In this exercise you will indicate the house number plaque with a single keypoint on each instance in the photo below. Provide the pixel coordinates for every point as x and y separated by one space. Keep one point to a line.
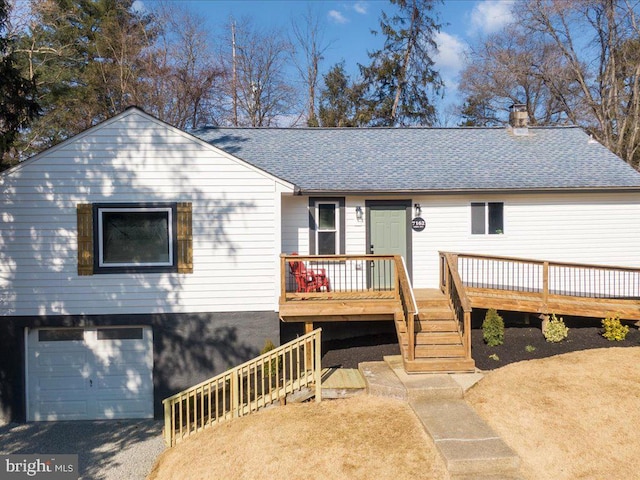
418 224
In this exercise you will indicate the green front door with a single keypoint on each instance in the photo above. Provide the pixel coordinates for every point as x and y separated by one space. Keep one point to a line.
387 236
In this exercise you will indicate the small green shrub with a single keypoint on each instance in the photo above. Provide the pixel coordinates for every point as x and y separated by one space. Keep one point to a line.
556 330
613 329
493 328
530 348
495 357
271 367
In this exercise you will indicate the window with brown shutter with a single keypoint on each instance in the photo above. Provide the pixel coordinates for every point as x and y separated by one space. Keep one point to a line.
85 239
184 238
125 238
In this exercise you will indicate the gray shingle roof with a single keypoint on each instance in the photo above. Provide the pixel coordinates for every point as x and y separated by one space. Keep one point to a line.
427 159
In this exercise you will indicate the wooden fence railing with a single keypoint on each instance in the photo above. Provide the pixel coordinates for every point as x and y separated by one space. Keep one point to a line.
548 278
452 286
246 388
409 304
348 276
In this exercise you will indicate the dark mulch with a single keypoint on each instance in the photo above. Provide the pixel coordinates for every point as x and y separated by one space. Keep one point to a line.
522 342
526 342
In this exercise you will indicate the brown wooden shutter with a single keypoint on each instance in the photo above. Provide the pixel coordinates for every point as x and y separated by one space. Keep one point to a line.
185 238
85 239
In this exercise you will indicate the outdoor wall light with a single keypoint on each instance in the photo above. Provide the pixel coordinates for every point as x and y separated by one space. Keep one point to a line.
359 213
418 209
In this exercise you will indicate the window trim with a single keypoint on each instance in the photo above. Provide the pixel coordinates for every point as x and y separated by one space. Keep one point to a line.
486 207
339 202
336 221
99 267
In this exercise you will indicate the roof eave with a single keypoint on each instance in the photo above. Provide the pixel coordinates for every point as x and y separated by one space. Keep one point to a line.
466 191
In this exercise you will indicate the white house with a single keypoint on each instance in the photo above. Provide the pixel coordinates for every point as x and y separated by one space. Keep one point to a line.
137 259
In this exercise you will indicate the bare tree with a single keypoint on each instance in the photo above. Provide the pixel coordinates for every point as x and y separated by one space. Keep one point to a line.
574 61
264 94
183 70
606 69
309 40
512 67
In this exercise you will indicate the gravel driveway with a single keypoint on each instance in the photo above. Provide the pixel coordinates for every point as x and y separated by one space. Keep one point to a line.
107 450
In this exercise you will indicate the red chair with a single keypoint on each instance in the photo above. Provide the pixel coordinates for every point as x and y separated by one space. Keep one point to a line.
308 280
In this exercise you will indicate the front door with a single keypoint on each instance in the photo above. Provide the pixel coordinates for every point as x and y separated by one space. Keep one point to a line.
387 235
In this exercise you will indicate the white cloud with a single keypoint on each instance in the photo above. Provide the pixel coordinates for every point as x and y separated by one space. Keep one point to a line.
361 8
337 17
451 56
489 16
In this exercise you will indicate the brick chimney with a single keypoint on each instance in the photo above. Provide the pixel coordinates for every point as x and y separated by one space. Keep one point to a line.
519 119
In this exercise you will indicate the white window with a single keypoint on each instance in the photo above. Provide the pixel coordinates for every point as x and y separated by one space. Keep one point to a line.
487 218
327 234
135 236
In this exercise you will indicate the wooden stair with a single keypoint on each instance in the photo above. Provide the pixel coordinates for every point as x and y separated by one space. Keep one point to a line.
439 346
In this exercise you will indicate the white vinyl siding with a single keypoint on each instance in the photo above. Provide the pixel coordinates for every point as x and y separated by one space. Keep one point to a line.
572 227
295 225
134 159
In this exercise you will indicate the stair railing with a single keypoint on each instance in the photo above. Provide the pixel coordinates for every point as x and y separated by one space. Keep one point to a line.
452 286
242 390
409 304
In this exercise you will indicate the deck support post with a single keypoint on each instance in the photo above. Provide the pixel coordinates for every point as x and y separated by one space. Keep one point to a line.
545 282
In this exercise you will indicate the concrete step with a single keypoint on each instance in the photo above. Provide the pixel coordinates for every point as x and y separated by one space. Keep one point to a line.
382 381
469 447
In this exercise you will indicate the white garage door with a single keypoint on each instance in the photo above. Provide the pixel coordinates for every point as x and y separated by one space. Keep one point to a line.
89 373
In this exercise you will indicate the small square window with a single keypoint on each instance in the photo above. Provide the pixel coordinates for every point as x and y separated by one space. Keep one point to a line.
135 238
487 218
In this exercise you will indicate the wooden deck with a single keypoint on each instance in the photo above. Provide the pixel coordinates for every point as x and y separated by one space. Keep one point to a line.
434 325
628 309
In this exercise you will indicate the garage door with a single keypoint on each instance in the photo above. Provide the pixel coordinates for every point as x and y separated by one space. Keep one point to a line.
89 373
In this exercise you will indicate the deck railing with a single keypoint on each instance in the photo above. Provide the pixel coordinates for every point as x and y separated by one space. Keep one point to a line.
354 277
245 389
452 286
409 304
350 276
548 278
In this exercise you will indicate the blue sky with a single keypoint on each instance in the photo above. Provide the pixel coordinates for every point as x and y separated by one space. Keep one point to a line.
348 23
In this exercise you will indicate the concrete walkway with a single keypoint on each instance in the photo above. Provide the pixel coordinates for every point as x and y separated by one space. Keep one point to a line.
469 447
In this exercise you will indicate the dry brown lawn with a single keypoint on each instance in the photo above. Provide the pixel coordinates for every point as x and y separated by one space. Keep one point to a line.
358 438
573 416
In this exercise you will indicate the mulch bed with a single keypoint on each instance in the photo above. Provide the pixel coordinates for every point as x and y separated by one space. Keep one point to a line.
521 342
